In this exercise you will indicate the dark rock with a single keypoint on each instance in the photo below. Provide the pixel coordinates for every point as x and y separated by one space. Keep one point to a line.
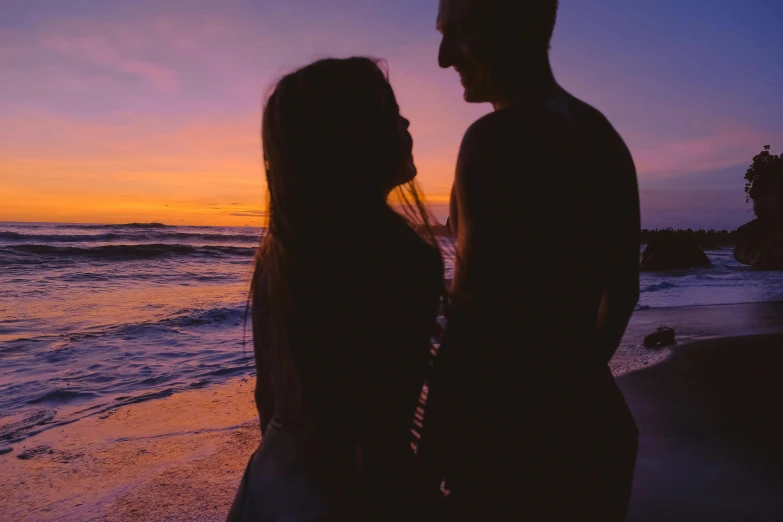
670 251
663 337
760 244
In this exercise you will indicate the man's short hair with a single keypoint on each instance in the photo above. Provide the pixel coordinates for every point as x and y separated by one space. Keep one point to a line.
543 13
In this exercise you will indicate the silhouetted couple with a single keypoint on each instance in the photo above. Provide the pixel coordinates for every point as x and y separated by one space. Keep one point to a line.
523 420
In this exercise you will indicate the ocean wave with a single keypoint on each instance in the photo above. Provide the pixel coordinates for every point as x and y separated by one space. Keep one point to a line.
227 371
60 396
10 236
657 287
182 319
195 317
120 252
124 225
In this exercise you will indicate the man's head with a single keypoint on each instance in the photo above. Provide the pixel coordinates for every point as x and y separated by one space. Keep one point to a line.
491 43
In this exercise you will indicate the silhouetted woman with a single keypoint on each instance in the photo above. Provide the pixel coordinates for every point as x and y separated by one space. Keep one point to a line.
344 300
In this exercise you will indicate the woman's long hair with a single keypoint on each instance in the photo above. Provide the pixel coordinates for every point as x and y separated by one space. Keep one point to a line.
332 146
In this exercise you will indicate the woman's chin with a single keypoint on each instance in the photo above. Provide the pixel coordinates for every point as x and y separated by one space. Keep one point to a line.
410 174
406 175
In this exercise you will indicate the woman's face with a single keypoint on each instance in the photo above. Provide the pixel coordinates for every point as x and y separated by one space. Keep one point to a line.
407 168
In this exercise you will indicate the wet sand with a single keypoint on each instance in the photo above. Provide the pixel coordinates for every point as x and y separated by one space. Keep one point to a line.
711 433
693 323
179 458
708 409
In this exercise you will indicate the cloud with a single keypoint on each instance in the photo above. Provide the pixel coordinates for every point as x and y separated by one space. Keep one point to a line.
719 150
163 79
251 213
101 51
725 209
81 72
12 45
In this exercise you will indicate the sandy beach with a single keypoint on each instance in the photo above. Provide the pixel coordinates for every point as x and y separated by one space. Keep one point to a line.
706 408
710 432
178 458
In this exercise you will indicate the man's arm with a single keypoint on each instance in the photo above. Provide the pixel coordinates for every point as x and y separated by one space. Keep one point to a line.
477 177
449 382
621 292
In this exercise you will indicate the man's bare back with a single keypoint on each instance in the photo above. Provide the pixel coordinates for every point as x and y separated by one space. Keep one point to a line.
545 209
545 199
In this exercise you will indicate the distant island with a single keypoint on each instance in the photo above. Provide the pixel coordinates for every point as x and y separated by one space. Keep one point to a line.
760 242
141 225
707 239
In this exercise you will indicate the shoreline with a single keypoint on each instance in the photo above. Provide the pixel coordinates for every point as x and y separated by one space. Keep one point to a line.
692 324
181 457
176 458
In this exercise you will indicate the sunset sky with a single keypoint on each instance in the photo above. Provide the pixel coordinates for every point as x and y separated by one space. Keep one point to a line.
149 110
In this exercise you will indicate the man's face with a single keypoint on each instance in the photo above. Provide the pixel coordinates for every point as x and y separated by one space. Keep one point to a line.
468 46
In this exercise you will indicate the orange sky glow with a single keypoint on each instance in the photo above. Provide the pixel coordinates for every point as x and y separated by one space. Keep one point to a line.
151 111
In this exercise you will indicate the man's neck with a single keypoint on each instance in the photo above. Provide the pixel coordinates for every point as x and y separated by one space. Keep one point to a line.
536 82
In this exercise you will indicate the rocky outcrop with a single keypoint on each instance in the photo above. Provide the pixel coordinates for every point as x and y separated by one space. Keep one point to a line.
760 244
669 251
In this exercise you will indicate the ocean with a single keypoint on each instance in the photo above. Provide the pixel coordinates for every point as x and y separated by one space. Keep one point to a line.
93 317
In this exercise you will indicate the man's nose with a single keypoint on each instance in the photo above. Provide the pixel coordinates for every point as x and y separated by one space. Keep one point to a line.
445 53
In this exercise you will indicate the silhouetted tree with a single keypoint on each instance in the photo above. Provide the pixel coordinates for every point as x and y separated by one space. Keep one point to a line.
707 239
764 184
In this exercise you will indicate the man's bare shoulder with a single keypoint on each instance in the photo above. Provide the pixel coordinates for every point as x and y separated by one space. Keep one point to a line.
502 135
535 128
517 120
590 118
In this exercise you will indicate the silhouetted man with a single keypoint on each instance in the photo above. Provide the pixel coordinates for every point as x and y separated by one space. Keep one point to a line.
524 418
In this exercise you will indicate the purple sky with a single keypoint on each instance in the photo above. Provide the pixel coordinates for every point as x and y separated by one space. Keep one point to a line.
149 110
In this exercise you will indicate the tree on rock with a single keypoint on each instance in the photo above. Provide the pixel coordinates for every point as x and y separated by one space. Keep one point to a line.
760 242
764 184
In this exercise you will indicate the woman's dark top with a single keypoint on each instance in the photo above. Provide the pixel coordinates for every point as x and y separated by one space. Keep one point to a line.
364 313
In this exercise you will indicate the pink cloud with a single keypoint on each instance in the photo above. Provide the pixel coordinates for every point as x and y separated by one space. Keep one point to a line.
723 149
163 79
707 209
98 50
12 45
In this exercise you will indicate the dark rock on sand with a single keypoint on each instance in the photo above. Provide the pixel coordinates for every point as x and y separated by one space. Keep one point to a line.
760 244
663 337
669 251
